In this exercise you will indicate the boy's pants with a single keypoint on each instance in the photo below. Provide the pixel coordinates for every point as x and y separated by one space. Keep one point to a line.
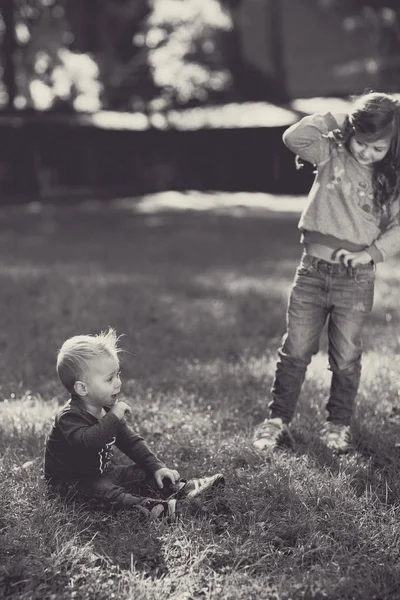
118 487
321 291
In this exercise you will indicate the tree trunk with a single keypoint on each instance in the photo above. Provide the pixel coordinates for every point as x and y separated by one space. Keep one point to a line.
275 22
8 50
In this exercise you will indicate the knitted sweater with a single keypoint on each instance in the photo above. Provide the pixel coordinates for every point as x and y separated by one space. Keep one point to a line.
340 212
79 445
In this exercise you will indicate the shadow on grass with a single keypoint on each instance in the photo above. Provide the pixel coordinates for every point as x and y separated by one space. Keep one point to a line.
372 465
130 545
116 539
122 540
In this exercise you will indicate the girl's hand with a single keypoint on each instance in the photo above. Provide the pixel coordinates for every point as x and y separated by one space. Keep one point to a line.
166 473
352 259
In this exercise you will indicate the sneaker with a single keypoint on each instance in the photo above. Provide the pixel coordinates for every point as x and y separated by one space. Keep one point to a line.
336 437
271 433
161 509
197 487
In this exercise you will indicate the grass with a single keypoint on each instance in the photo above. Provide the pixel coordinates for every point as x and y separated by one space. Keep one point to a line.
201 299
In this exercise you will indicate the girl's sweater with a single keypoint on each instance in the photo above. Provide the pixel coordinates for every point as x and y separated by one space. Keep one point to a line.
341 212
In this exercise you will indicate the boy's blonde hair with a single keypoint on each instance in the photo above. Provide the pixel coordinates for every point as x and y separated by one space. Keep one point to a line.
76 352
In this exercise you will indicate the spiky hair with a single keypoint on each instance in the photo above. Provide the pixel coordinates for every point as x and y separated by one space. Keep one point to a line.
76 352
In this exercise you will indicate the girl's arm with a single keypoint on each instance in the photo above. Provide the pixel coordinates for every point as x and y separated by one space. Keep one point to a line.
388 243
311 137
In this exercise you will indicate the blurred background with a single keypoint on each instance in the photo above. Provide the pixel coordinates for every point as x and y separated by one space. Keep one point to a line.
129 97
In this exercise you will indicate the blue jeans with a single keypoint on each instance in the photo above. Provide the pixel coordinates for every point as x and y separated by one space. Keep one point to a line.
321 291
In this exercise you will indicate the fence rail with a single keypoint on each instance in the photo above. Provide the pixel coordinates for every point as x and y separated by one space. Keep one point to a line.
47 156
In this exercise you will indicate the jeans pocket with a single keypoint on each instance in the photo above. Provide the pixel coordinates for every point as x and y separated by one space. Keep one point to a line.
364 278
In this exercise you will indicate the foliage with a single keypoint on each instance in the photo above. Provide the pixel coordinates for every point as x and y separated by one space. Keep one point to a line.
142 53
172 55
185 56
378 20
49 74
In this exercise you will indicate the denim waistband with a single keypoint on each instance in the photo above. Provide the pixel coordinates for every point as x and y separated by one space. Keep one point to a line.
335 268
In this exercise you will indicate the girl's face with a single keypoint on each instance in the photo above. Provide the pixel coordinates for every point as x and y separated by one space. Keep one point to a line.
367 153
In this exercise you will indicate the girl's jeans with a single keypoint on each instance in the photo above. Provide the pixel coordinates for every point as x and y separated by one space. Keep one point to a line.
321 291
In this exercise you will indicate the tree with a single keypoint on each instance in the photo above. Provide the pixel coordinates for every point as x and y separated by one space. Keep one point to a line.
75 55
124 68
379 21
249 82
9 46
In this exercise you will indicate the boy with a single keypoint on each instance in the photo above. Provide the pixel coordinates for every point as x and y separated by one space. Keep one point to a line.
78 454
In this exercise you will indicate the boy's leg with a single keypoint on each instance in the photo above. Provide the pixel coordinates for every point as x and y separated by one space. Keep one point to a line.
136 481
108 491
143 485
306 315
353 301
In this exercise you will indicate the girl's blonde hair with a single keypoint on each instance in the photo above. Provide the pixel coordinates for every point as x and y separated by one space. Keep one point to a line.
76 352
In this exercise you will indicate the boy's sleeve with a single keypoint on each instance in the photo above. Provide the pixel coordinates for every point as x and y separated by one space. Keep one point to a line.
388 243
134 446
309 137
78 432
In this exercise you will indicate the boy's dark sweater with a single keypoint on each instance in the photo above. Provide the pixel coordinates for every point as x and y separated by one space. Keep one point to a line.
79 445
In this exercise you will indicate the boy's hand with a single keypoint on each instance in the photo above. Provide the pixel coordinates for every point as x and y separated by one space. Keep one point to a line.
352 259
121 410
166 473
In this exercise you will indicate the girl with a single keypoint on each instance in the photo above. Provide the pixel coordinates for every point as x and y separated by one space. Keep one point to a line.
357 159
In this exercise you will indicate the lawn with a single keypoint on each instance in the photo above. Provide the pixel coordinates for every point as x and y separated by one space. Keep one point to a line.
200 296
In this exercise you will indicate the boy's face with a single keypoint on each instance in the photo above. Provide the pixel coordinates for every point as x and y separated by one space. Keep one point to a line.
102 380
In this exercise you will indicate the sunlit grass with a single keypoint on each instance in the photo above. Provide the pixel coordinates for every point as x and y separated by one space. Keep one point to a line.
201 300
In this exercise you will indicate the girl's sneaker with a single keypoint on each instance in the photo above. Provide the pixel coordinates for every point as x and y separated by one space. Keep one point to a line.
271 433
198 487
336 437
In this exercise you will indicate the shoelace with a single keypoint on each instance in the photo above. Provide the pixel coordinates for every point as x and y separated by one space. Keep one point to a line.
266 429
337 433
344 435
337 429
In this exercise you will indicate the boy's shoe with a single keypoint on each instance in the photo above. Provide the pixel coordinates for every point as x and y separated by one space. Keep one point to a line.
271 433
336 437
161 509
197 487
